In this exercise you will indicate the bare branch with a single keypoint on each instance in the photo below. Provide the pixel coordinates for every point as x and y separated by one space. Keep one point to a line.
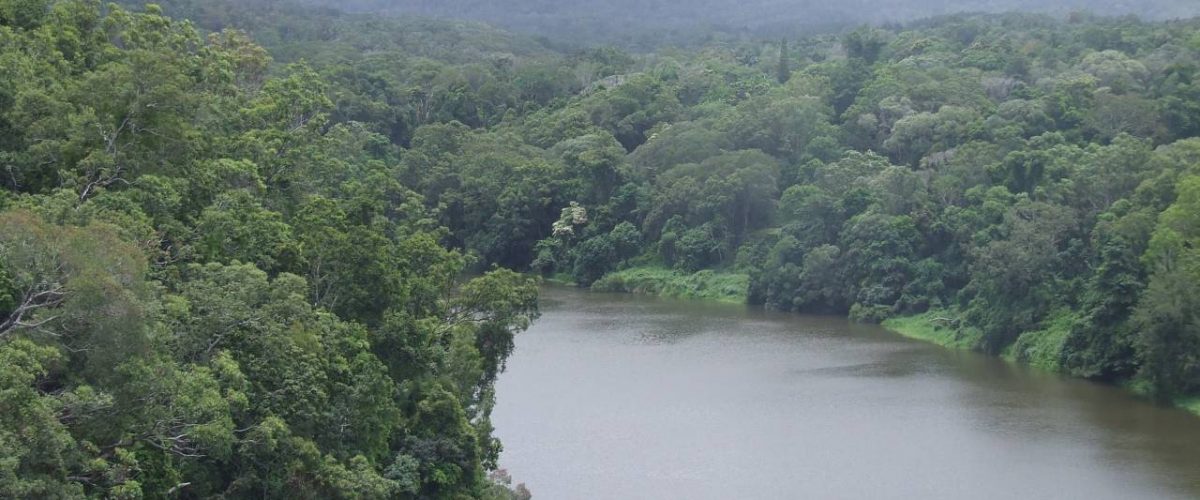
33 299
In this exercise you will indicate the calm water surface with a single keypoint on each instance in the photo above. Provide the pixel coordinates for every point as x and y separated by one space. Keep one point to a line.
620 396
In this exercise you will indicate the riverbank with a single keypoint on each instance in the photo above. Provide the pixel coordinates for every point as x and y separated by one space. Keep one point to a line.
1038 348
665 282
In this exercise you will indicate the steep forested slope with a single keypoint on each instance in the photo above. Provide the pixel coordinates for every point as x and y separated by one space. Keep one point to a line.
209 287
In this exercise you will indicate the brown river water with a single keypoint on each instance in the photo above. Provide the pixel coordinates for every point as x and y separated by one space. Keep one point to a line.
613 396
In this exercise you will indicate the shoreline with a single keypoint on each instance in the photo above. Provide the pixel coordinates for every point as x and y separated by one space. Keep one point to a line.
1037 349
664 282
924 327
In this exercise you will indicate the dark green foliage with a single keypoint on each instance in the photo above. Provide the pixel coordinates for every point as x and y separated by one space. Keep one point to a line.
593 258
1101 343
865 44
9 294
1170 335
784 72
1015 275
1166 314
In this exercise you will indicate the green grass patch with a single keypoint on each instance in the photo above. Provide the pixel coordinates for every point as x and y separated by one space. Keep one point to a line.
1141 387
664 282
936 326
1137 385
1042 348
1038 348
564 279
1190 403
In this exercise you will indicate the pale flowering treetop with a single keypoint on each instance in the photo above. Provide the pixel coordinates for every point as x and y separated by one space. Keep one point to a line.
572 216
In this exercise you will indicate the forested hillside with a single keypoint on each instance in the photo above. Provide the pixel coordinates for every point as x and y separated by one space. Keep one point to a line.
1027 185
647 23
211 286
263 253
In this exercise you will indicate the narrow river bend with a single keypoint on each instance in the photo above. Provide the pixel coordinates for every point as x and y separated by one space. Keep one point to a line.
615 396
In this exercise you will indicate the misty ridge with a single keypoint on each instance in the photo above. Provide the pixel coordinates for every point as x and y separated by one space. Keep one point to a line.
624 21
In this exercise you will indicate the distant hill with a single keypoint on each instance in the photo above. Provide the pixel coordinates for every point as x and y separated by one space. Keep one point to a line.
304 29
618 20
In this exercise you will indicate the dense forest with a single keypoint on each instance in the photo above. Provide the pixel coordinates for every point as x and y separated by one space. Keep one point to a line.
264 250
212 285
647 23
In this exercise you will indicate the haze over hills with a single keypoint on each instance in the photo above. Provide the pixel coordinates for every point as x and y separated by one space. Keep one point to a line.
617 20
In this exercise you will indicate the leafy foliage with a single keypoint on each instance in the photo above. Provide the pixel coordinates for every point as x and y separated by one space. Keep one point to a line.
210 287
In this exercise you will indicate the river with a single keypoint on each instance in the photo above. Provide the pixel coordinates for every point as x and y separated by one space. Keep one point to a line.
613 396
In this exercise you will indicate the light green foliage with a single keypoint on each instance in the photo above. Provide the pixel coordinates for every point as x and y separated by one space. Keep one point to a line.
36 446
81 285
935 326
237 227
496 305
1115 70
677 144
916 135
706 285
1043 348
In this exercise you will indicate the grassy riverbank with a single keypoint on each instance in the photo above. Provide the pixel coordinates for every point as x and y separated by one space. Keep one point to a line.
933 327
664 282
1042 348
562 279
1038 348
1191 404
